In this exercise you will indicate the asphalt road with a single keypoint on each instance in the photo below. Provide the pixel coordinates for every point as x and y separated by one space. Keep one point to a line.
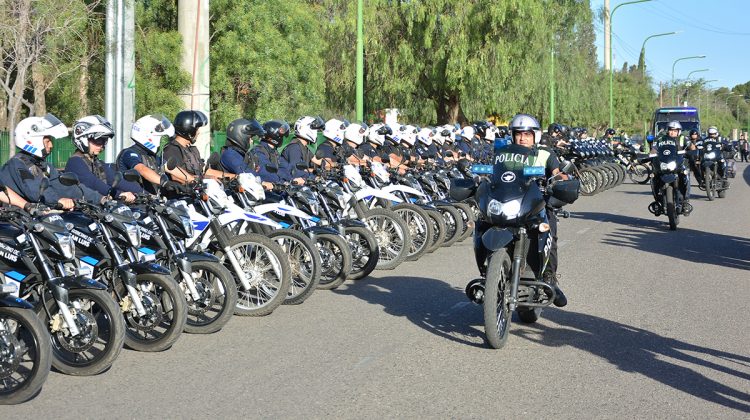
656 327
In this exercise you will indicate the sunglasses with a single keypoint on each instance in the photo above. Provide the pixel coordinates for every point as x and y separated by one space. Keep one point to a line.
99 141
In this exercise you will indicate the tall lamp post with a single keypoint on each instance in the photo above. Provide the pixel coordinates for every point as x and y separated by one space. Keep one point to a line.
611 67
360 65
675 63
688 78
700 94
643 48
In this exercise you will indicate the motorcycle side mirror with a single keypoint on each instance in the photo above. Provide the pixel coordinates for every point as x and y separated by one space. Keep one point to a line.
117 180
43 185
407 155
272 168
213 161
164 179
302 166
131 175
385 157
320 154
462 188
68 179
462 154
463 165
171 164
568 167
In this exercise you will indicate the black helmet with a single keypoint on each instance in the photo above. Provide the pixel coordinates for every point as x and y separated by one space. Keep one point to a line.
187 123
241 131
694 131
275 131
480 128
554 128
610 132
385 130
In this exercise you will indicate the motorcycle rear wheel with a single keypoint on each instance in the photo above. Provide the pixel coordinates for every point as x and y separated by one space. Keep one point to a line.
497 314
710 184
24 343
639 174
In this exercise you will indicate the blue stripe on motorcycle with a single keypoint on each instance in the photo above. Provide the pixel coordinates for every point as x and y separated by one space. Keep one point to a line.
315 219
147 251
15 275
90 260
284 224
200 226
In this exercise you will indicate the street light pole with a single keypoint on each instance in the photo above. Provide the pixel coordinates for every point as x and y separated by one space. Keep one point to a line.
643 49
675 63
688 83
700 94
611 67
360 65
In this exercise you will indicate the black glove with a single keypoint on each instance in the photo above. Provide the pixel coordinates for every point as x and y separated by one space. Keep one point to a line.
176 187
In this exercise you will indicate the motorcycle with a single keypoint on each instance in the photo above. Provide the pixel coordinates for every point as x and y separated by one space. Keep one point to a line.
513 203
712 183
668 164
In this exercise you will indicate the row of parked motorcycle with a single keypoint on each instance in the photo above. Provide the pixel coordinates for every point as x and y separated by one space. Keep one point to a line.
600 167
77 286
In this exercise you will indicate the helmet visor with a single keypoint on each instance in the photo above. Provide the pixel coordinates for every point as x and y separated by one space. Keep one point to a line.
57 128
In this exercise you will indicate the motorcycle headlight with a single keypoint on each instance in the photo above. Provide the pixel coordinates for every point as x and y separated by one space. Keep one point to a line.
187 226
711 155
510 209
134 234
65 244
669 166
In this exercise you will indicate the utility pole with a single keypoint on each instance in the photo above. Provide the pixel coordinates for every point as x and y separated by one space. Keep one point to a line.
360 65
119 73
661 95
607 45
552 86
192 24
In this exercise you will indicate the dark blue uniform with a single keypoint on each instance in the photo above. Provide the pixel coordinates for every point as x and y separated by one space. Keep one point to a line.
97 175
294 153
266 155
235 161
130 157
24 173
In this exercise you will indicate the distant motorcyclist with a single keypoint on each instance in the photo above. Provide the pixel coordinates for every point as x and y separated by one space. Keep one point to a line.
609 138
554 137
526 132
298 151
235 156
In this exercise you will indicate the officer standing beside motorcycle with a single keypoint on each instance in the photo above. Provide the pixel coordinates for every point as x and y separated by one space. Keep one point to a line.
526 132
672 137
25 172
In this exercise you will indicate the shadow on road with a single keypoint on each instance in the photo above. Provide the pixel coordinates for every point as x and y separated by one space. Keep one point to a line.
671 362
652 235
428 303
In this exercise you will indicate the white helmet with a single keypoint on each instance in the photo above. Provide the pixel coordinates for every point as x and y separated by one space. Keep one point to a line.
30 133
409 134
376 133
452 133
92 127
713 130
307 128
491 132
334 130
468 132
149 130
396 133
425 136
525 122
355 133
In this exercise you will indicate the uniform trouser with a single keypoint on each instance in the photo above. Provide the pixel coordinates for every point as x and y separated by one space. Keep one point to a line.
481 252
683 185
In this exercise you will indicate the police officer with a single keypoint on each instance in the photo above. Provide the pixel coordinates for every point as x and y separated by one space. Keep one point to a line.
90 136
25 172
426 147
526 132
298 150
327 154
375 137
182 152
146 134
267 154
235 158
354 136
609 138
674 138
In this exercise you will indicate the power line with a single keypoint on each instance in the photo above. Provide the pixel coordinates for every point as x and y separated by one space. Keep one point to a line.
688 20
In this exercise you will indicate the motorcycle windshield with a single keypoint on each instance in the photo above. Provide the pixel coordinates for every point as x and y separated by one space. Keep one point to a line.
512 169
666 153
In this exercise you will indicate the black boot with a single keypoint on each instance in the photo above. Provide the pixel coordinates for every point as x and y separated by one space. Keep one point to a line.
560 299
686 208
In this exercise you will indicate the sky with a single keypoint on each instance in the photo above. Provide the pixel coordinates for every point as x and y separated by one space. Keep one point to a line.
718 29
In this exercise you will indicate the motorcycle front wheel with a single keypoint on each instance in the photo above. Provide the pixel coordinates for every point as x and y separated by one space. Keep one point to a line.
497 314
25 355
218 297
304 260
365 252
